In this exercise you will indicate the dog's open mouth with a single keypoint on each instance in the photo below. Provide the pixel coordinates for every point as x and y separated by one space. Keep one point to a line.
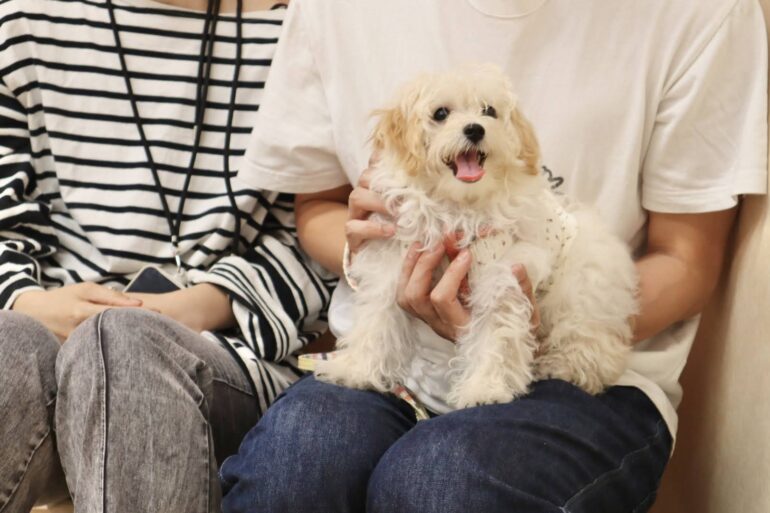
468 166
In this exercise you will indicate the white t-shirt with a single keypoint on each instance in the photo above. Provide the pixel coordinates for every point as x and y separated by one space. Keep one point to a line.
639 106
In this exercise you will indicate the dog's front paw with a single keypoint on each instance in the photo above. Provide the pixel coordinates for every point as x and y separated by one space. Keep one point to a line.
560 366
480 392
345 370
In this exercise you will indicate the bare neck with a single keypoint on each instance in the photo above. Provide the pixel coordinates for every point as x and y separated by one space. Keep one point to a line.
227 5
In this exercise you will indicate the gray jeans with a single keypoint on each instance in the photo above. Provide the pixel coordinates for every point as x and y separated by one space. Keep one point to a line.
136 408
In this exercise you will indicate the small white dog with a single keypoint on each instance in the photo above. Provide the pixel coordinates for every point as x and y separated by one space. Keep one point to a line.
457 157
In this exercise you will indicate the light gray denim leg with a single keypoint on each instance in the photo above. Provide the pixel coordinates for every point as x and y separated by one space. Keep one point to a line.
142 403
28 462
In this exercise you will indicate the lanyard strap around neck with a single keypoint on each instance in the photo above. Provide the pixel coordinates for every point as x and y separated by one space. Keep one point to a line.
203 80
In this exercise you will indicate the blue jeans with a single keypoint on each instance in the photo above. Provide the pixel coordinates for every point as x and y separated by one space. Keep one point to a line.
324 448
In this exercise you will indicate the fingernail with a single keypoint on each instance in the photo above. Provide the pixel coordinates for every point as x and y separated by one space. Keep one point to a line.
389 230
517 268
463 255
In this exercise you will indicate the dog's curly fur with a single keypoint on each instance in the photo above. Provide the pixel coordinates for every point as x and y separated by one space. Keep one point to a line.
584 277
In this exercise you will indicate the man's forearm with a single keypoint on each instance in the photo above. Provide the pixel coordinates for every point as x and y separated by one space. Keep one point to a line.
321 228
667 294
681 269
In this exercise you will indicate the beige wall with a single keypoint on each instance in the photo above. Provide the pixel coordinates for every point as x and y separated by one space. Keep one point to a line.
722 460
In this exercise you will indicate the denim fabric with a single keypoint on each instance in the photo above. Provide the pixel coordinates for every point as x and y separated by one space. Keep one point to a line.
143 408
27 400
325 448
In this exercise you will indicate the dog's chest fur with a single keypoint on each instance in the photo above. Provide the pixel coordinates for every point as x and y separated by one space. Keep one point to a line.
536 232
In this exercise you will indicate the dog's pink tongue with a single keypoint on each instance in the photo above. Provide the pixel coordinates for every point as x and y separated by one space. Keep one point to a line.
468 168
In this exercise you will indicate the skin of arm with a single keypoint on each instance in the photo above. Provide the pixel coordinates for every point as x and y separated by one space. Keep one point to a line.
321 228
202 307
681 267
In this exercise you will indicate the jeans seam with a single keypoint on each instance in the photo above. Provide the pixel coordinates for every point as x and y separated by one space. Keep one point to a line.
207 473
26 467
103 441
658 432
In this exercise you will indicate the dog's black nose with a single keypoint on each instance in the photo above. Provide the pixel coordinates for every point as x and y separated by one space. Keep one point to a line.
474 132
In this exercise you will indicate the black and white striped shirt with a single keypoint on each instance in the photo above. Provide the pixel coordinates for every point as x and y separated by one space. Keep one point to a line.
77 197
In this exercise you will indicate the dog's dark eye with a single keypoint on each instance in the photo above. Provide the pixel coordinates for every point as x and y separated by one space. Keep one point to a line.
441 114
490 111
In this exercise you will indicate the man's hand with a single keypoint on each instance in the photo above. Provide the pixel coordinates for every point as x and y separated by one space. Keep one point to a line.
328 220
62 310
442 306
362 203
202 307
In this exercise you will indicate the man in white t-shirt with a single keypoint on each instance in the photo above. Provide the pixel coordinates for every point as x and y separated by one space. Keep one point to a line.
653 112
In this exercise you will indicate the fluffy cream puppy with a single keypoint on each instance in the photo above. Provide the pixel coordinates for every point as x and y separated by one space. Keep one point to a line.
457 157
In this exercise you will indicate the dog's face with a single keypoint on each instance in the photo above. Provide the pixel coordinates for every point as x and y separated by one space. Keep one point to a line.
459 135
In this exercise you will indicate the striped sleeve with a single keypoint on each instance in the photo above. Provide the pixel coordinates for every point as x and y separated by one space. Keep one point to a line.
280 296
25 231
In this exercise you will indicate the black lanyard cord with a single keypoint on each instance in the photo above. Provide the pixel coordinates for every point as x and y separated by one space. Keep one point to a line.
204 78
202 86
230 115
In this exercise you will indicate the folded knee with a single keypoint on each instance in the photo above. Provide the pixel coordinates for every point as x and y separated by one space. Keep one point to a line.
441 467
122 330
124 344
320 442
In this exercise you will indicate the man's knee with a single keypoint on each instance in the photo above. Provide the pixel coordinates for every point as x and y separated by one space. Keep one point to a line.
307 423
318 440
445 465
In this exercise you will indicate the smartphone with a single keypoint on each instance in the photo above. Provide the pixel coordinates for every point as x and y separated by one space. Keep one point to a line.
152 280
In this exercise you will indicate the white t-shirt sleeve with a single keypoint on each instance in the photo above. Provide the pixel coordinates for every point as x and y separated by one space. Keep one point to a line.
291 148
709 143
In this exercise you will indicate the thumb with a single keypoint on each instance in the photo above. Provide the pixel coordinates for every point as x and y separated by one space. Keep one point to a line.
106 296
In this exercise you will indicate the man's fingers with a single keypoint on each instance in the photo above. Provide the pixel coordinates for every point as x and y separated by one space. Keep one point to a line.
374 158
363 202
520 272
418 287
366 177
406 272
445 295
102 295
357 232
365 180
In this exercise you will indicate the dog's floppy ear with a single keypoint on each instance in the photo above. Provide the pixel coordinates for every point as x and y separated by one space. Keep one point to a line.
530 149
398 131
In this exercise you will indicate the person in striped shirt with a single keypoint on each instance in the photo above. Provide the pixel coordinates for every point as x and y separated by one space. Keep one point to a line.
121 123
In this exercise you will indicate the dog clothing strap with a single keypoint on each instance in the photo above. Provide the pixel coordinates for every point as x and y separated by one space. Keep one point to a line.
561 230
